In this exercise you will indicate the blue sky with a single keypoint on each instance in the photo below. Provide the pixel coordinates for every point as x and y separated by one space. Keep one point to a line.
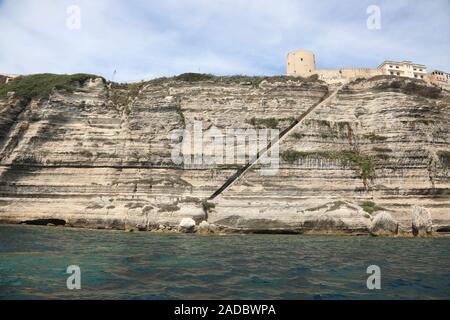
145 39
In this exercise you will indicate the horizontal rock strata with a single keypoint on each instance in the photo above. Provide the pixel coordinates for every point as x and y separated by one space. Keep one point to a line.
100 155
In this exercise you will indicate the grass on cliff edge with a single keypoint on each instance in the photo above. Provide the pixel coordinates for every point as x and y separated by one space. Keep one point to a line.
251 80
41 85
365 164
411 87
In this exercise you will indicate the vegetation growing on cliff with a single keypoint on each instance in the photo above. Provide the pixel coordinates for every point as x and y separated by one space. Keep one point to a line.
207 206
370 207
374 137
122 94
270 123
380 149
264 123
411 87
253 81
365 164
182 118
168 207
190 77
41 85
298 135
444 157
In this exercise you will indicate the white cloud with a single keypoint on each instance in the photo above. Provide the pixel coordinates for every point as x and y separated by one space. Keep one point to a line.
142 39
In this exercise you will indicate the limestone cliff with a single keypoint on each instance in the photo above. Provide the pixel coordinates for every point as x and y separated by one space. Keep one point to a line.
84 152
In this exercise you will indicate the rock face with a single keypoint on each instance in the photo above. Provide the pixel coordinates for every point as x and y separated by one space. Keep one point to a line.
100 155
187 225
421 221
206 227
384 224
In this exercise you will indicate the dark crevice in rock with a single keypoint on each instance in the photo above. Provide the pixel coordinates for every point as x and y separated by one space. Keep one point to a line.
44 222
443 229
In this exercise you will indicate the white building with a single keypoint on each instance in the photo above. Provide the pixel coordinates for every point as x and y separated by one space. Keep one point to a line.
404 69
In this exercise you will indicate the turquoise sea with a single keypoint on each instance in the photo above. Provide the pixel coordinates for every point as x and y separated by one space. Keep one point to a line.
143 265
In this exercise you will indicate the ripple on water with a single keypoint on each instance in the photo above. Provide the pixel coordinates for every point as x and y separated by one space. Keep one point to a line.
119 265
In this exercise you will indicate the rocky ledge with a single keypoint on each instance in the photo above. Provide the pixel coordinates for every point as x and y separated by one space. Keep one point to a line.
369 158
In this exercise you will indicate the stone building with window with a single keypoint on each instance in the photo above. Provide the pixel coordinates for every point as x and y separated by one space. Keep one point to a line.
440 79
303 63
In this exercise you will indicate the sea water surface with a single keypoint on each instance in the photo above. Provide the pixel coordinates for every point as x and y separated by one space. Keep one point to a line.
143 265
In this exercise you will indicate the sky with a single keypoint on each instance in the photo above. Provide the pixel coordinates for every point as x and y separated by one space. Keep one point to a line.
131 40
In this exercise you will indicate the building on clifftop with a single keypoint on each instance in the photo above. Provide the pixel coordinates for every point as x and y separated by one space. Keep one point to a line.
440 79
9 76
302 63
404 69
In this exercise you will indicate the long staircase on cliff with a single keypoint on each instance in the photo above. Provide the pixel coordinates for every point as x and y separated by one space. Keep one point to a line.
242 171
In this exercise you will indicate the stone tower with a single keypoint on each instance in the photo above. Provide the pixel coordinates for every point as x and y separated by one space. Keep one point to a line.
301 63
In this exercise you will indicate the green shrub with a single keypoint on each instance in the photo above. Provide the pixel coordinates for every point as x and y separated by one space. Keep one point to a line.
41 85
86 153
298 135
207 206
168 208
253 81
122 94
395 84
192 77
411 87
292 156
182 118
422 90
365 164
382 156
370 207
382 77
264 123
444 157
377 149
357 80
134 88
374 137
312 78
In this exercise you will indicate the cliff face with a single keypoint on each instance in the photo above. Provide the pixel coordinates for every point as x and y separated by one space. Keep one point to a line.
97 154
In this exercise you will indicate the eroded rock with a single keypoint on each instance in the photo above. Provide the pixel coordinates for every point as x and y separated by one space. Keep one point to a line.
108 144
384 224
187 225
204 227
422 223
